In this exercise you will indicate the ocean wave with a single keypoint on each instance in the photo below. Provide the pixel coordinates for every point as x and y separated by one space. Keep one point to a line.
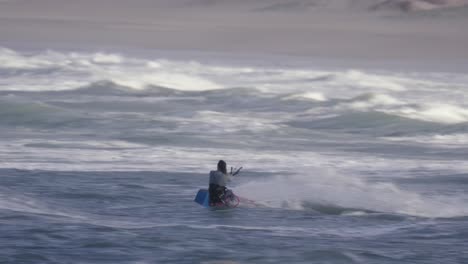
53 70
372 80
418 5
455 140
93 67
272 108
431 112
313 96
459 179
27 113
92 145
374 122
436 112
110 88
381 114
341 5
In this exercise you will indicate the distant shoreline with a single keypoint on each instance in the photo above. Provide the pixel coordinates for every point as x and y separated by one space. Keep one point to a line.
219 30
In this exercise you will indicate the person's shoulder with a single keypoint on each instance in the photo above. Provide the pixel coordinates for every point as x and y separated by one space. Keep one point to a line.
215 172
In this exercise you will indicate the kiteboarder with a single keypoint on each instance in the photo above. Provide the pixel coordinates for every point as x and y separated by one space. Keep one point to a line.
218 181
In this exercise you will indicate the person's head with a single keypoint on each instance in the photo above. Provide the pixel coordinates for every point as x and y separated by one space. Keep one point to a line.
222 166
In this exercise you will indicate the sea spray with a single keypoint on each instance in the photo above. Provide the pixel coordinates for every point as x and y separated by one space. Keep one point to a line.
328 191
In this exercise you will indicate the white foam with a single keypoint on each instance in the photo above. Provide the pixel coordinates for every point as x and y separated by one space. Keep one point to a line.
315 96
14 60
439 113
375 81
75 70
372 100
457 140
330 189
419 5
107 58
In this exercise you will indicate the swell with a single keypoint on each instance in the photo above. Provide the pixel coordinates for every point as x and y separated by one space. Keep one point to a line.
106 100
382 115
36 114
60 89
373 122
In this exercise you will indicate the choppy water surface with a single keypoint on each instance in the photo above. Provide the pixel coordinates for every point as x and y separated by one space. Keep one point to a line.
102 154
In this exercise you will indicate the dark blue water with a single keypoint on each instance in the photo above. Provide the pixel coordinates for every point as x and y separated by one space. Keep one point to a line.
149 217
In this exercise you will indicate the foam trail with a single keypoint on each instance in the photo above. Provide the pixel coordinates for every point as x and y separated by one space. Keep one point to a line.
29 205
323 188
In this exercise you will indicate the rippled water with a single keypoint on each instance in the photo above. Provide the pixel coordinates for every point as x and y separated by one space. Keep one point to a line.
102 155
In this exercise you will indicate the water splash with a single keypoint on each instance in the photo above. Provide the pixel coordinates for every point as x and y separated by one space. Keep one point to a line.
328 192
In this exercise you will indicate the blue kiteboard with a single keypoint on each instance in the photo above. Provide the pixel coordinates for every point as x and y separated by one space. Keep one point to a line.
203 198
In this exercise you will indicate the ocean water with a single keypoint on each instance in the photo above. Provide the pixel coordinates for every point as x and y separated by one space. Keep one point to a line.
101 155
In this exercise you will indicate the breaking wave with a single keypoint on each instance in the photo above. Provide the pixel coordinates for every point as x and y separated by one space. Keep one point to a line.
154 101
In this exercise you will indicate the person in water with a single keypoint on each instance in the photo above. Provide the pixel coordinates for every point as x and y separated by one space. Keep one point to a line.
218 180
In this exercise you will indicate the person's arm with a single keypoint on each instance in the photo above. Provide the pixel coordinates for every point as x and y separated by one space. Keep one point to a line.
235 171
227 177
